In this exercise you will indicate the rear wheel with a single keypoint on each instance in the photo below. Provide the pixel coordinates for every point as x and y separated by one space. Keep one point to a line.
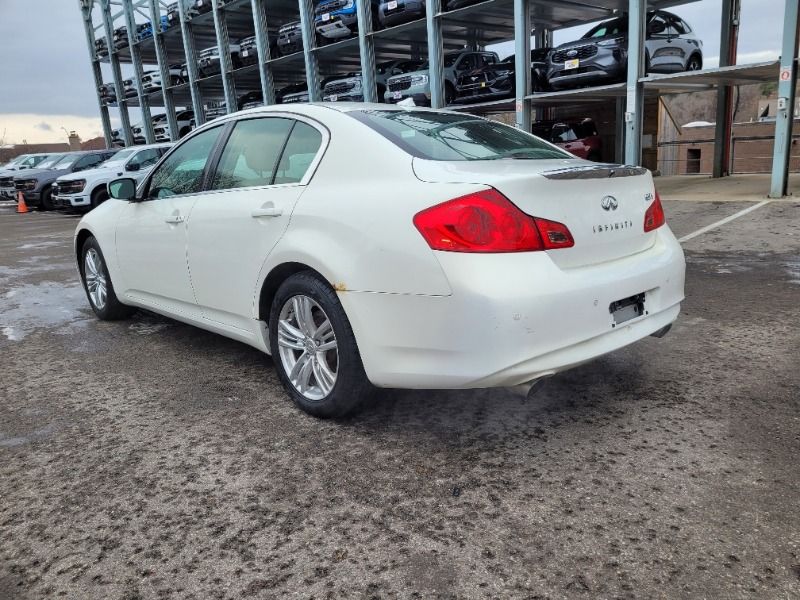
98 286
314 349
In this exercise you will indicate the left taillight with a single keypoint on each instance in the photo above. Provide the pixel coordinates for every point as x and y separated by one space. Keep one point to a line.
654 217
488 222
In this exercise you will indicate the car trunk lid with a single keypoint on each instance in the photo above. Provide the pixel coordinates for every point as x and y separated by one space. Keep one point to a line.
602 205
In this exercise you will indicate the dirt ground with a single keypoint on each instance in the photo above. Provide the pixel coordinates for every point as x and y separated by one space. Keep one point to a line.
150 459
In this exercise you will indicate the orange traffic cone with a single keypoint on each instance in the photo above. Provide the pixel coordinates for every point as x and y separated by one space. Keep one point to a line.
21 206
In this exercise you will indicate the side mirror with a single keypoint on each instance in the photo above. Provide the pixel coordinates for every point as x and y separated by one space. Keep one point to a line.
133 166
656 27
122 189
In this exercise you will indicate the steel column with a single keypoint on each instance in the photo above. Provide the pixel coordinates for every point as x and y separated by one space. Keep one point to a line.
435 52
366 49
138 71
543 38
105 7
619 131
191 64
262 45
309 39
522 63
634 102
86 11
163 67
225 62
787 83
729 33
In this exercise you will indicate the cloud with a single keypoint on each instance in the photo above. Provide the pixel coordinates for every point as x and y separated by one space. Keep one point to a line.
41 129
44 126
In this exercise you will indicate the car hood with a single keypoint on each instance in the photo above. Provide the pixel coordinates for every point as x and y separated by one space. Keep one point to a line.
40 173
409 74
92 173
586 41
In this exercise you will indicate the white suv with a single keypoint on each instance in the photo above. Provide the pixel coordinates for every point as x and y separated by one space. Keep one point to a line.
87 189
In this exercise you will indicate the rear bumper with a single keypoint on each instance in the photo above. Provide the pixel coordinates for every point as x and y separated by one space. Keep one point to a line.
410 10
512 318
339 25
420 99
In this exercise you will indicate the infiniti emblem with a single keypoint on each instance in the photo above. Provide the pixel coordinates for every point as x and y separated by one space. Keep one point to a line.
609 203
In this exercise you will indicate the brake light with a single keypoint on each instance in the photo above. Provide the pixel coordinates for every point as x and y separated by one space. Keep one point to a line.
654 217
488 222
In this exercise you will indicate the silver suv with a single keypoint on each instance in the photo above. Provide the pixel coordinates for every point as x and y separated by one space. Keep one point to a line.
416 85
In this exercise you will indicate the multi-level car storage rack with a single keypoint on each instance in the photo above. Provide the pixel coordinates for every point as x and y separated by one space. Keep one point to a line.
474 26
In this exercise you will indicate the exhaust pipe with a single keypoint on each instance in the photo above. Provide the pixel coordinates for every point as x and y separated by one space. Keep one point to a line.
662 332
529 388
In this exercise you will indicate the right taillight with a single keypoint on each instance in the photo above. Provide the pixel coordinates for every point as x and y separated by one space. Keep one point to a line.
488 222
654 217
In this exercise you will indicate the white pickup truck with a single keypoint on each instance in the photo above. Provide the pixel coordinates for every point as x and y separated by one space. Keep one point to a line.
87 189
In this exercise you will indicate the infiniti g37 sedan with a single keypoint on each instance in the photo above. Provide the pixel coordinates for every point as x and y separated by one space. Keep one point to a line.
456 252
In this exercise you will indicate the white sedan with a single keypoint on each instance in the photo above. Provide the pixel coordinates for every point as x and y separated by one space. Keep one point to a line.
364 245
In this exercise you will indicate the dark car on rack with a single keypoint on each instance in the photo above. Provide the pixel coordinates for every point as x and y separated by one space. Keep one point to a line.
498 80
395 12
36 185
101 47
294 92
209 61
290 38
121 37
576 136
601 55
250 100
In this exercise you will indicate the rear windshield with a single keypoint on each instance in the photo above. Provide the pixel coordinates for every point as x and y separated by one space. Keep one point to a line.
446 136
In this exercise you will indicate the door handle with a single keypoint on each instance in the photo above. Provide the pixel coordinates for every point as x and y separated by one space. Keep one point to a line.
174 219
268 210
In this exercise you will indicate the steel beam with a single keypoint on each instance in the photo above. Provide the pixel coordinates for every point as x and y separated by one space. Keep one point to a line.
787 83
729 34
225 62
309 38
435 53
522 63
262 45
366 49
108 23
634 101
163 67
191 64
619 130
138 71
543 38
86 11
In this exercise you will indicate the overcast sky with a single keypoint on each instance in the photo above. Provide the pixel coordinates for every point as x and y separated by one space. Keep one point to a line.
47 81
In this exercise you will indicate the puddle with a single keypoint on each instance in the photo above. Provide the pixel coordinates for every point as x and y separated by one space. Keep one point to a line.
47 305
793 269
37 245
9 442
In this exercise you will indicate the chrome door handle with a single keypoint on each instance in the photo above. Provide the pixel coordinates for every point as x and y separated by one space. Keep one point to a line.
266 211
174 219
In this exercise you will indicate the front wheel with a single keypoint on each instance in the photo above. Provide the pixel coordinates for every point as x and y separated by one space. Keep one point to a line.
695 63
46 202
314 348
99 196
98 286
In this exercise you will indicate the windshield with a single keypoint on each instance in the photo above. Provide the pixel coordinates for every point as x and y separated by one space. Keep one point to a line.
444 136
617 26
65 161
52 160
120 156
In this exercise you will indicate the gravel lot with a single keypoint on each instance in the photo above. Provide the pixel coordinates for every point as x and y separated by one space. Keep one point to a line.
149 459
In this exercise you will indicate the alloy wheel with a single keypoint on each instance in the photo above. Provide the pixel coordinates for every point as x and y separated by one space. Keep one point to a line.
307 345
95 278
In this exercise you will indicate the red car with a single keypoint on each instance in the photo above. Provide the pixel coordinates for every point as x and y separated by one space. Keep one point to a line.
578 137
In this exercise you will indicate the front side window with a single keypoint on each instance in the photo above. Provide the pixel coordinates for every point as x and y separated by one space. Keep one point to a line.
563 133
88 161
251 153
303 145
615 27
446 136
182 171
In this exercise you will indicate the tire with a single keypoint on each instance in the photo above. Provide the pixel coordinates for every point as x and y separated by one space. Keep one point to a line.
45 203
695 63
342 383
109 308
449 93
184 131
99 196
594 157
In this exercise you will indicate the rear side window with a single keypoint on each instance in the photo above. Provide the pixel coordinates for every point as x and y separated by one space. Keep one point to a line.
454 137
302 147
251 153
